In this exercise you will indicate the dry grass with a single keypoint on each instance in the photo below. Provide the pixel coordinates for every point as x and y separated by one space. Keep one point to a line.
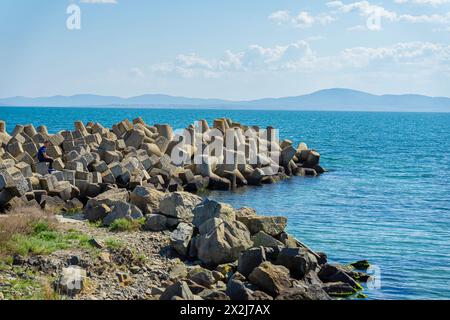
22 222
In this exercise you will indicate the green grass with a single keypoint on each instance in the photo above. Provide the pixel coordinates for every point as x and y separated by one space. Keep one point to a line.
112 243
29 288
45 239
123 225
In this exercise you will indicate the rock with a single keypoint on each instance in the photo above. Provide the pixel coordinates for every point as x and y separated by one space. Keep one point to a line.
339 289
179 289
203 277
110 198
71 281
250 259
361 265
74 205
181 237
244 212
298 260
209 209
271 225
223 244
122 210
217 295
311 158
105 257
96 213
179 205
236 289
147 199
262 239
179 271
333 273
304 292
270 278
155 222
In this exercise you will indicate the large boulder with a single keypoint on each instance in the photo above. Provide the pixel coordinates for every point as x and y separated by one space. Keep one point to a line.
147 199
271 278
181 237
299 261
179 289
179 205
335 273
110 198
304 292
210 209
155 222
271 225
122 210
250 259
236 288
223 243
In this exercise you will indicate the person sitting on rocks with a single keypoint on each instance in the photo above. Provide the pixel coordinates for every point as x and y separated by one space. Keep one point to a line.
43 157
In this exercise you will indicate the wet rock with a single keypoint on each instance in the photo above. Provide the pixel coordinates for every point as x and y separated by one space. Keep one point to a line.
333 273
339 289
304 292
361 265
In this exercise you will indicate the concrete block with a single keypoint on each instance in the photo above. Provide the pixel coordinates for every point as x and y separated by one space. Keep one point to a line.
135 138
41 168
111 156
15 148
108 177
75 165
96 177
54 151
31 148
81 175
100 166
108 145
25 169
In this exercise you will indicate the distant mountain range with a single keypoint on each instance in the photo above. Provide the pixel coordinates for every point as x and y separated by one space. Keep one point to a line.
329 99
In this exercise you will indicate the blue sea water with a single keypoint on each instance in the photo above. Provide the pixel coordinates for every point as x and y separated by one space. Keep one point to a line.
385 199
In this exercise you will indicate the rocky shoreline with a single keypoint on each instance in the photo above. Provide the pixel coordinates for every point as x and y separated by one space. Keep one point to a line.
148 176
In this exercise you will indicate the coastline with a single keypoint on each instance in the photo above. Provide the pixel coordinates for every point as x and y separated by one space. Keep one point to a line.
218 239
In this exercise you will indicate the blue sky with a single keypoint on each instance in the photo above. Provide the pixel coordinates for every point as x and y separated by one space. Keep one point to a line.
231 49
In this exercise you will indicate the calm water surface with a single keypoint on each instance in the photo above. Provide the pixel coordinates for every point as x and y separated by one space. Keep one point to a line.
386 197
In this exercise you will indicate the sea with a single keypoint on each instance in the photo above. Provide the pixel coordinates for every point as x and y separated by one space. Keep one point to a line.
386 197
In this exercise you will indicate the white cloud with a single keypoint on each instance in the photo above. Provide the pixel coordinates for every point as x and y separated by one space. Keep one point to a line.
302 20
375 13
424 2
299 57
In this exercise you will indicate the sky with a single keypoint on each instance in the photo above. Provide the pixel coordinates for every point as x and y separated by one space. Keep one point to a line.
229 49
